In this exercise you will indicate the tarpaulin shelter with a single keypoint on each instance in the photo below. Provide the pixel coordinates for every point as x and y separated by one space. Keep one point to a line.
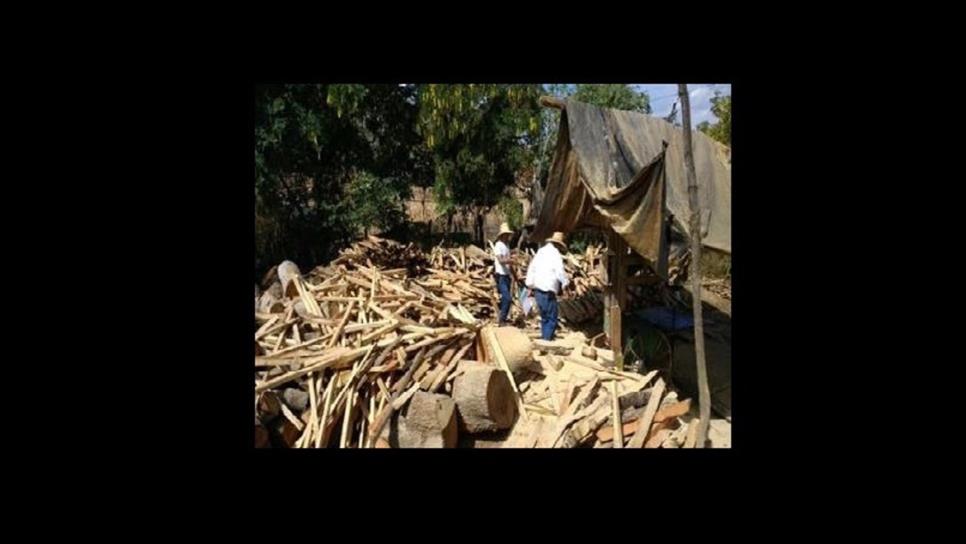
623 172
611 170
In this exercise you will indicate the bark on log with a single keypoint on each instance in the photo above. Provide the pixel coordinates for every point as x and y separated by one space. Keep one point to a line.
287 271
517 348
429 421
485 399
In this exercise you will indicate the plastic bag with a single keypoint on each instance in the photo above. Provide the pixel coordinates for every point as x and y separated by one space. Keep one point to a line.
526 303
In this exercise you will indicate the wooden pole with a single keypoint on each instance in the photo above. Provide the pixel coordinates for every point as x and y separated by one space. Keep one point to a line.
614 289
552 102
704 394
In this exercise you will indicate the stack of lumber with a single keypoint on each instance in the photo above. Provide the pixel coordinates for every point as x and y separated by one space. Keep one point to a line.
390 347
720 287
579 400
383 253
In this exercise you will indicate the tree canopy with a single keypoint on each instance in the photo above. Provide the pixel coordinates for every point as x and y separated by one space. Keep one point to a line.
721 108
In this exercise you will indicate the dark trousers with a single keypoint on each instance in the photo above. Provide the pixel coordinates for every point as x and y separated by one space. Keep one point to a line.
503 286
547 302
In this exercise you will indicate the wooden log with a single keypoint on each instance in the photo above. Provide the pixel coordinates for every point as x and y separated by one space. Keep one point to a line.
552 102
428 421
287 273
501 360
645 421
516 347
484 399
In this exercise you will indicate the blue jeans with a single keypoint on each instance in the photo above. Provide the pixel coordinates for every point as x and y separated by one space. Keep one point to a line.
503 286
547 302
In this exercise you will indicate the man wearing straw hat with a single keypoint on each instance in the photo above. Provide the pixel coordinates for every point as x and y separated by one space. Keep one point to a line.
546 278
502 269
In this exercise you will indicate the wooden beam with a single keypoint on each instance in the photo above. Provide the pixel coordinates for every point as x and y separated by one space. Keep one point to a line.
552 102
616 410
704 393
644 424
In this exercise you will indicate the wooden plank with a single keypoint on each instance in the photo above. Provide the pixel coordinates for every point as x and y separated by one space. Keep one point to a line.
582 361
379 333
615 407
339 328
291 417
645 422
692 438
553 346
657 437
325 412
568 417
297 347
328 362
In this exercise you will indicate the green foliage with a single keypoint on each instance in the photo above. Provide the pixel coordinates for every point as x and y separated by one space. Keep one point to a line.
374 202
311 141
512 211
715 264
721 108
613 95
578 240
479 136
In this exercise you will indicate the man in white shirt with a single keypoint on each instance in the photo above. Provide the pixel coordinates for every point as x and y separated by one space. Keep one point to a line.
502 271
546 279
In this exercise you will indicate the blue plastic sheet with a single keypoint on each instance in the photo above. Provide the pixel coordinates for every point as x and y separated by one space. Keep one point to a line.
666 319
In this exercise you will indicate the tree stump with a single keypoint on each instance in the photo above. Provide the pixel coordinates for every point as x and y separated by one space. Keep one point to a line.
485 399
428 421
516 346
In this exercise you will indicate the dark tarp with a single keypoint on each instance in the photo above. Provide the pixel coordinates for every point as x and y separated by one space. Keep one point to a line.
611 170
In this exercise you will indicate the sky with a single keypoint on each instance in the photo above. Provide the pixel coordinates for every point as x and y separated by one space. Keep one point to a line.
664 95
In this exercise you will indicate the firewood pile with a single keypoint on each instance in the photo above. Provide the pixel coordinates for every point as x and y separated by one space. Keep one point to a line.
383 253
720 287
578 399
388 346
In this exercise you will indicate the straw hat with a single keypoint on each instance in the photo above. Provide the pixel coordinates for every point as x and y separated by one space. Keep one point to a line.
558 238
504 229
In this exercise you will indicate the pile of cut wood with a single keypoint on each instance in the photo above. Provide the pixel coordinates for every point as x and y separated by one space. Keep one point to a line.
720 287
578 399
388 347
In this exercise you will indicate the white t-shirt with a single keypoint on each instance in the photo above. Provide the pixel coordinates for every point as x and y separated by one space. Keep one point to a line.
500 250
546 271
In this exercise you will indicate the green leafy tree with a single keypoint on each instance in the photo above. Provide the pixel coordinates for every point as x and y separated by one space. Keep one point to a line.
479 136
613 95
512 211
321 151
721 108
